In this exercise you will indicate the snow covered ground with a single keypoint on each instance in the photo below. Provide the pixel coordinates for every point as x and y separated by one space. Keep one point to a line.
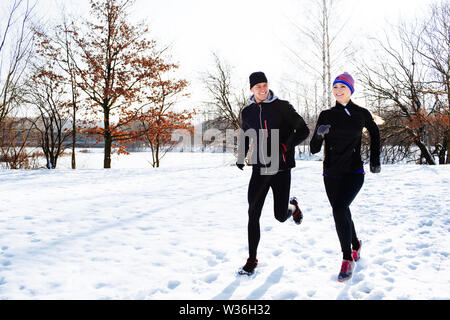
179 232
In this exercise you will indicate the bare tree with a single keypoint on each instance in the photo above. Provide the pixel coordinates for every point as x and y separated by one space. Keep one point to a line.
56 46
17 137
320 33
16 40
226 102
48 94
412 80
398 77
435 51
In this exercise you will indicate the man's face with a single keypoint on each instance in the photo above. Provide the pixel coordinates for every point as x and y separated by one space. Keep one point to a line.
261 91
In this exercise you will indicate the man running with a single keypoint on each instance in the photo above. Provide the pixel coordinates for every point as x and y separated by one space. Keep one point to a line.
277 128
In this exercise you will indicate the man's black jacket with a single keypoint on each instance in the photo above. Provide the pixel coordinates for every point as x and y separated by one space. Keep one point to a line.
342 153
268 115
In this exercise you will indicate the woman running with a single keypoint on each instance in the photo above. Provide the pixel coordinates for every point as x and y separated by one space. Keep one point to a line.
341 128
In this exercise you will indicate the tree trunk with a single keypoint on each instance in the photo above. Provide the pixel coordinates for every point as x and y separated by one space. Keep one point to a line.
447 131
328 58
442 152
157 155
324 58
74 138
425 153
107 157
447 147
108 142
52 161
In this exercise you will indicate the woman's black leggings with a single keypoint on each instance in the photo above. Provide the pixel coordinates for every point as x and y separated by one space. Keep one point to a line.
257 191
341 191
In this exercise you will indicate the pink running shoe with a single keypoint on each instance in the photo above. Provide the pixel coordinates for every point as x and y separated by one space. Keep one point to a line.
346 270
356 253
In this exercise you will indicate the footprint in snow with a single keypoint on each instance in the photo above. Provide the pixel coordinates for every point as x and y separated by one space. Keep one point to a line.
366 287
211 261
210 278
6 263
376 295
220 255
358 277
311 293
173 284
277 252
100 285
388 249
380 261
389 279
287 295
413 265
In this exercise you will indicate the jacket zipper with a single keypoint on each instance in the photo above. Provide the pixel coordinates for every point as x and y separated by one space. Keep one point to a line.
348 112
260 122
285 150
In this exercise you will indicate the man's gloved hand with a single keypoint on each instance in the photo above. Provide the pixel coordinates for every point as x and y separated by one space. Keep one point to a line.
240 165
323 130
375 169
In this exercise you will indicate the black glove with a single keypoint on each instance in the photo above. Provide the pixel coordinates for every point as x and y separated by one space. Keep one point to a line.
323 130
240 165
375 169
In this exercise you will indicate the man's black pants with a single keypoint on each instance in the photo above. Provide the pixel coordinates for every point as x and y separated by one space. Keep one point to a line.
259 186
341 192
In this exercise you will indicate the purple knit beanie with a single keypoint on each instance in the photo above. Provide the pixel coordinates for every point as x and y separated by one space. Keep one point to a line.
346 79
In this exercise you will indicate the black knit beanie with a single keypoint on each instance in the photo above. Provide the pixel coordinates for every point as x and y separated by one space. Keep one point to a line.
257 77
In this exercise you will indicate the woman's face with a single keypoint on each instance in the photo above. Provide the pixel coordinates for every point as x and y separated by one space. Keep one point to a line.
342 93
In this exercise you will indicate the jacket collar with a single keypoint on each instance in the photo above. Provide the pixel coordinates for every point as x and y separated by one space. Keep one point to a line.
271 97
342 106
